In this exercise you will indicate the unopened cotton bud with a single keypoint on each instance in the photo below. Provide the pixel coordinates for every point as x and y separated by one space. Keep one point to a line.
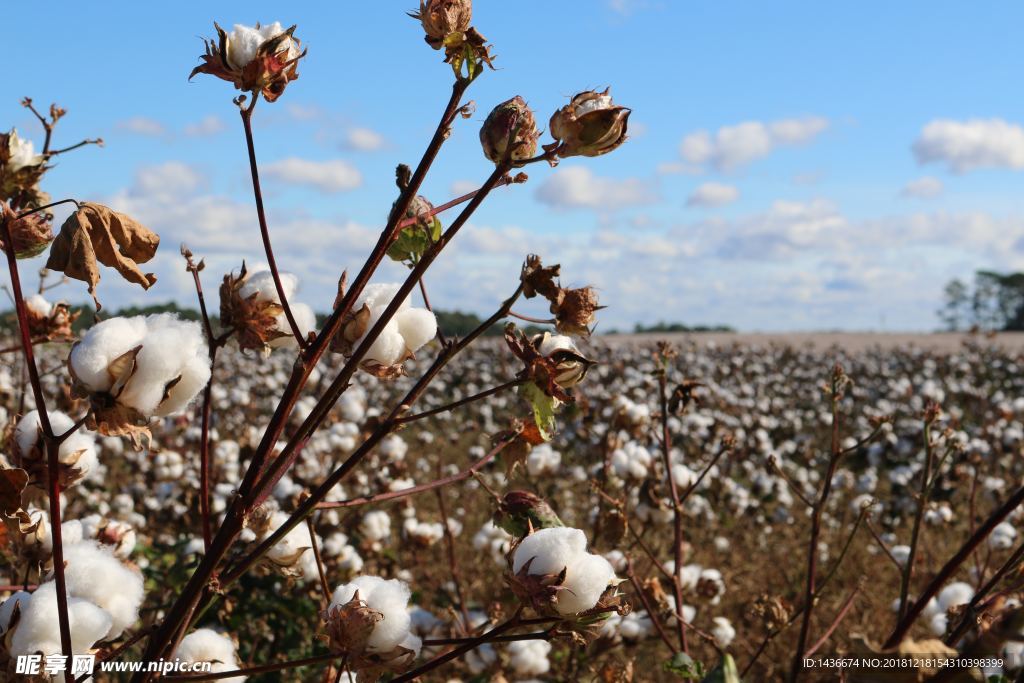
590 125
509 133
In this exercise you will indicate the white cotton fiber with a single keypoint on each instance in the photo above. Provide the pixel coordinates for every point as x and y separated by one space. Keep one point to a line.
93 573
723 631
379 295
292 545
7 608
39 630
99 346
389 346
956 593
390 598
556 342
417 326
171 348
39 305
376 525
206 645
79 448
586 579
529 657
551 549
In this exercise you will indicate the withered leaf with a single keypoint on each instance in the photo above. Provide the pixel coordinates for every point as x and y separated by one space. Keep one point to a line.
97 233
12 484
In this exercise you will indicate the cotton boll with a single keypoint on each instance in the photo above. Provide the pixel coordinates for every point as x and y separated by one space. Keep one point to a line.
390 598
172 348
379 295
388 348
956 593
414 643
38 629
305 318
80 445
39 305
586 579
543 460
900 553
261 284
417 326
206 645
94 574
104 342
556 342
529 657
551 550
723 631
20 599
1002 537
376 525
290 550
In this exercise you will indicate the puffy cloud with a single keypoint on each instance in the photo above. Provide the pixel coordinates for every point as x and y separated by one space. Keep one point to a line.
333 175
364 139
731 147
141 125
712 195
578 187
461 187
927 187
968 145
169 179
210 125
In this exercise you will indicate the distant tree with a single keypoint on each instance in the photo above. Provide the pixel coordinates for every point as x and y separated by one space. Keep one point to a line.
996 302
956 310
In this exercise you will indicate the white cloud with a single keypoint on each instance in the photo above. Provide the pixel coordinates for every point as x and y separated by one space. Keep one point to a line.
169 179
210 125
578 187
334 175
141 125
731 147
968 145
364 139
927 187
461 187
712 195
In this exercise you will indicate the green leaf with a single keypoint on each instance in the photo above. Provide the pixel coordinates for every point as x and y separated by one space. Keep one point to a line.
684 666
544 408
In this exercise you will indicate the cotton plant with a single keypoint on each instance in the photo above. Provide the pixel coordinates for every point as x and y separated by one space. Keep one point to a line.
137 368
553 572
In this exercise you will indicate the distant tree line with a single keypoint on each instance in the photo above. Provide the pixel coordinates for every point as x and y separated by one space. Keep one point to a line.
994 301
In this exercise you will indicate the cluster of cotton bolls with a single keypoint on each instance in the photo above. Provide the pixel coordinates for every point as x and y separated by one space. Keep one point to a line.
77 453
104 597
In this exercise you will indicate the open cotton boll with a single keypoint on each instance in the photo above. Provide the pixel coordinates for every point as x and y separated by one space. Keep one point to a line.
956 593
556 342
417 327
288 551
551 550
93 573
723 631
389 346
261 284
412 642
79 448
529 657
104 342
21 599
39 630
390 598
586 579
206 645
39 305
379 295
171 348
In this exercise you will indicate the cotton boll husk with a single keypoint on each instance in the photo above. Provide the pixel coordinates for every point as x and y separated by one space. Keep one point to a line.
171 348
585 580
7 608
104 342
553 549
417 326
390 598
206 645
93 573
39 630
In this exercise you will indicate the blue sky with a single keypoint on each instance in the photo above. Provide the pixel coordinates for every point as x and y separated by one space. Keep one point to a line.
793 165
